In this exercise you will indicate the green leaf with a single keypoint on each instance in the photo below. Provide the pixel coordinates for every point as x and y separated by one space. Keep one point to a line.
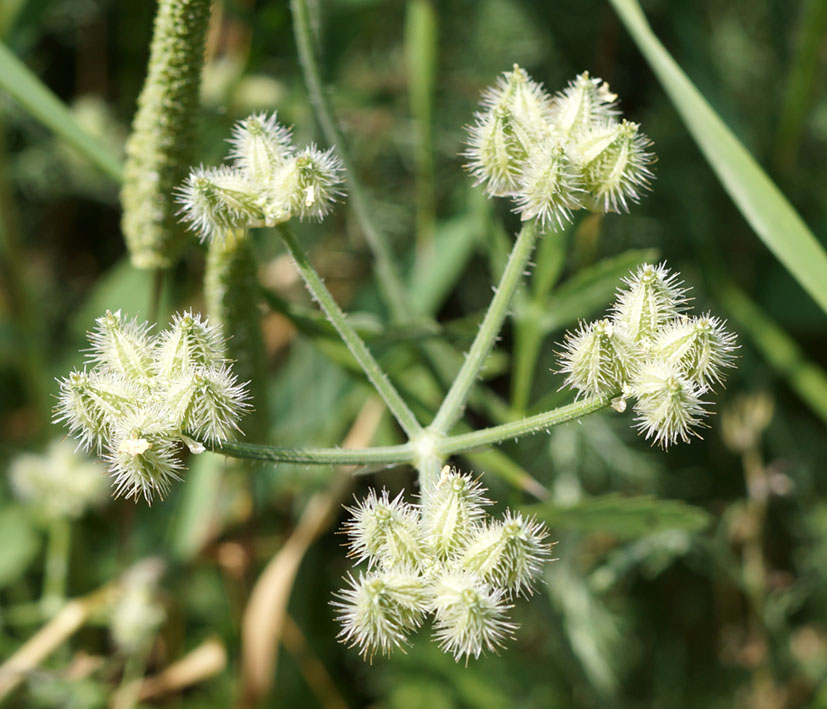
622 516
591 288
21 544
761 203
39 100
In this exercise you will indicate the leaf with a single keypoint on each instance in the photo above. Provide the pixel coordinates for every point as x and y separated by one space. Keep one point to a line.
622 516
758 199
39 100
21 544
591 288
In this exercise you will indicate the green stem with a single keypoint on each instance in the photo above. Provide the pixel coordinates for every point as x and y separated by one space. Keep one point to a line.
56 566
383 455
455 400
232 293
429 462
531 424
356 345
389 279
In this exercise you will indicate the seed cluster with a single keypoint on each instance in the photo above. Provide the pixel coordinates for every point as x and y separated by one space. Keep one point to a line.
555 155
141 397
650 349
445 557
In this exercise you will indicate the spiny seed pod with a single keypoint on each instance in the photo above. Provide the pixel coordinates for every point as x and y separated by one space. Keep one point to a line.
700 345
260 145
142 453
619 172
669 405
584 104
384 532
217 200
189 341
451 507
378 610
514 119
123 346
551 187
653 297
162 142
598 358
509 553
469 615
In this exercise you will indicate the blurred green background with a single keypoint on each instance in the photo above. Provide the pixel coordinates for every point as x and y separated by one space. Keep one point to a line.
731 610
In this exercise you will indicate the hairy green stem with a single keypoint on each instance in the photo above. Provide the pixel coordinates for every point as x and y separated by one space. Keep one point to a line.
162 144
356 345
232 292
523 427
454 402
389 279
426 452
318 456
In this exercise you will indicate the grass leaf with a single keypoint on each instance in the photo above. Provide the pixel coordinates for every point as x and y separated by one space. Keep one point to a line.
759 200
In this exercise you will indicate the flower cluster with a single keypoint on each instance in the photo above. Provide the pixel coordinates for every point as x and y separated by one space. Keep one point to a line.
61 483
650 349
142 396
268 182
445 557
555 155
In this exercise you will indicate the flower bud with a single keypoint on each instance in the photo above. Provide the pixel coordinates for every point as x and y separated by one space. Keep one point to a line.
260 145
653 297
384 531
216 200
469 616
379 609
599 358
508 553
669 404
451 507
701 346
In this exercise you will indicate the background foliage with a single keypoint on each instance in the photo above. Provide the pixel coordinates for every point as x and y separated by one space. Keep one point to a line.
684 579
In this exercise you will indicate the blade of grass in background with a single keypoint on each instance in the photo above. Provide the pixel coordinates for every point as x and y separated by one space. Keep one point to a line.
777 347
799 83
39 100
760 202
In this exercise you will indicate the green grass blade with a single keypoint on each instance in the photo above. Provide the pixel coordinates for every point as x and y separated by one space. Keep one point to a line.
782 353
39 100
760 202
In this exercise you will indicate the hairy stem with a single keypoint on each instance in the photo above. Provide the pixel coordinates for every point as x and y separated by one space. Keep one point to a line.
454 402
387 455
232 293
389 279
356 345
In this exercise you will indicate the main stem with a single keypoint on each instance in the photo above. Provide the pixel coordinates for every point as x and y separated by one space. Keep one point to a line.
389 279
454 402
356 345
